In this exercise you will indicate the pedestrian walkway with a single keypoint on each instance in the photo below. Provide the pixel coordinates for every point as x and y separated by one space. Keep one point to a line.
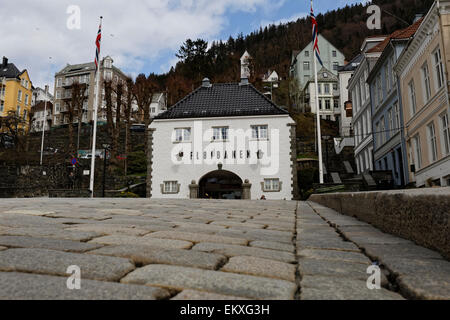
201 249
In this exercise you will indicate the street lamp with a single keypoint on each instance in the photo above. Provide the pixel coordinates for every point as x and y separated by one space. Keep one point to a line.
105 148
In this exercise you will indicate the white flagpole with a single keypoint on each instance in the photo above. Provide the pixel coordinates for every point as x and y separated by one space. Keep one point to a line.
319 134
94 138
45 122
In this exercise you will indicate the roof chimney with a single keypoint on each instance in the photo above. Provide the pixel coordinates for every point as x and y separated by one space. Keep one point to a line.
206 83
244 82
5 62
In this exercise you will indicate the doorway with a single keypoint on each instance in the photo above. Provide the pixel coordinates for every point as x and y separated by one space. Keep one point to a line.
221 184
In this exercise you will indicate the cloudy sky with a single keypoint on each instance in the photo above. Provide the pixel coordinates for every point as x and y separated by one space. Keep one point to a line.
140 35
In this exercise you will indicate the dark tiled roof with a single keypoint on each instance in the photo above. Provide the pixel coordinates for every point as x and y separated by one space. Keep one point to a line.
396 35
223 100
10 71
352 65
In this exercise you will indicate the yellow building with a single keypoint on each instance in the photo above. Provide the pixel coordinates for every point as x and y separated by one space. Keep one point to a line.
15 91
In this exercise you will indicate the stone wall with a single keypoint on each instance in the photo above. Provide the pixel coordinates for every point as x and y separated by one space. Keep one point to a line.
420 215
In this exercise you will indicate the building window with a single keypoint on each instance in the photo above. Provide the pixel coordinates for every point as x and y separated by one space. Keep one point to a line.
2 106
327 88
412 97
336 104
335 86
18 111
387 77
183 135
379 89
426 83
320 104
396 117
328 104
271 185
328 117
363 92
220 134
445 133
25 113
319 88
306 66
307 53
390 125
170 187
382 131
438 68
26 99
334 53
19 96
335 66
259 132
432 142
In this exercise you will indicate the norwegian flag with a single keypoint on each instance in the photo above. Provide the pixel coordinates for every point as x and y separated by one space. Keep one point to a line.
97 44
315 34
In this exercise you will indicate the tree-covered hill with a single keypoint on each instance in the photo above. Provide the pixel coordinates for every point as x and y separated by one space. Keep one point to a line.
271 47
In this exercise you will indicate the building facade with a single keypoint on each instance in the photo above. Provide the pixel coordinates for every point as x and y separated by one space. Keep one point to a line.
42 116
15 92
39 95
302 68
345 73
329 95
387 117
359 92
84 74
223 141
423 72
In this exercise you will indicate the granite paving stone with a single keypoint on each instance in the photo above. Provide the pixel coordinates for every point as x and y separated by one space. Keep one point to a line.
261 267
56 233
22 286
273 245
109 229
334 288
43 261
180 278
147 255
425 286
354 257
196 237
194 295
151 242
47 243
337 244
233 250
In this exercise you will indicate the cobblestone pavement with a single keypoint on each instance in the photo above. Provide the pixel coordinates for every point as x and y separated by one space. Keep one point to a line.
199 250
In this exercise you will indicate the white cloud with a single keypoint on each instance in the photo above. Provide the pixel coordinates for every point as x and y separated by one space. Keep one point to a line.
292 18
134 32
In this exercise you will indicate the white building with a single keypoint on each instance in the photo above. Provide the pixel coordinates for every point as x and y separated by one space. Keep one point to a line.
328 95
42 116
359 92
39 95
223 141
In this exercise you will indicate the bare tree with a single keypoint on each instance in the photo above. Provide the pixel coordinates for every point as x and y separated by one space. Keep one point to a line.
143 93
13 126
74 103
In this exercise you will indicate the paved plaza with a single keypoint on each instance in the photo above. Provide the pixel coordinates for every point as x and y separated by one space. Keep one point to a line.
205 250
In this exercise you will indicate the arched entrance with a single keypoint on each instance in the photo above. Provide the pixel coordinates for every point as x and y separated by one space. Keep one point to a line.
220 184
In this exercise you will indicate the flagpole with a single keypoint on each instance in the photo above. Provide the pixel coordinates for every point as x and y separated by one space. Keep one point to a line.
94 138
319 134
45 122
